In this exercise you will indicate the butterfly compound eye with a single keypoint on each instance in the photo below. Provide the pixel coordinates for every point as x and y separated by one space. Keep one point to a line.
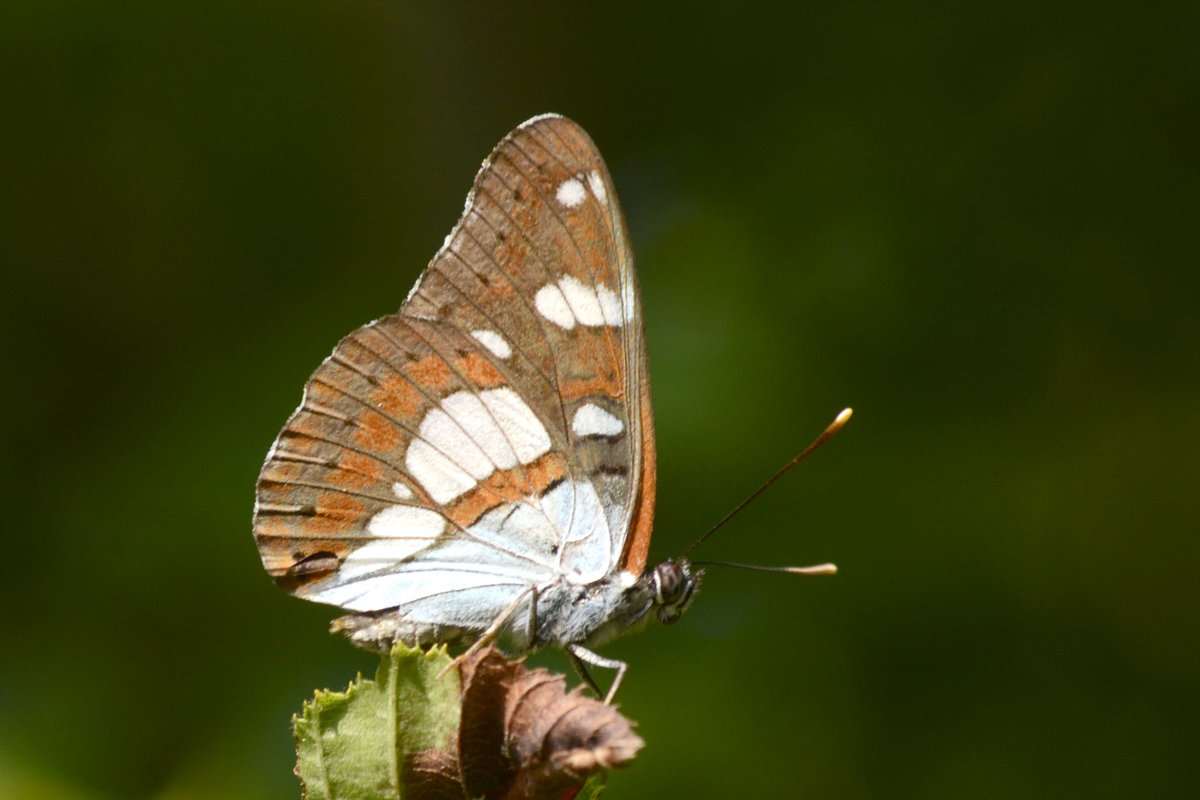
673 588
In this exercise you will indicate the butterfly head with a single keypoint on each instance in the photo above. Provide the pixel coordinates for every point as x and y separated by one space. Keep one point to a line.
675 585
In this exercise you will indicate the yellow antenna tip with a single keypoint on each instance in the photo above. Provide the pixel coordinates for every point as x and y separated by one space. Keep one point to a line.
819 569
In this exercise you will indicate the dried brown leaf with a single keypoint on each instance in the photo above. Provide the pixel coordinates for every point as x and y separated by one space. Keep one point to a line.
487 769
522 736
559 738
433 775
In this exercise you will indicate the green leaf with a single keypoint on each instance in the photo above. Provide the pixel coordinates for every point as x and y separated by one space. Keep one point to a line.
353 745
593 788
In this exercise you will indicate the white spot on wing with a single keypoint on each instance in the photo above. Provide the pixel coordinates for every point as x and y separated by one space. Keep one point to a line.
400 532
552 305
494 342
441 477
582 299
592 420
469 436
406 523
597 185
402 491
520 425
571 192
572 301
610 305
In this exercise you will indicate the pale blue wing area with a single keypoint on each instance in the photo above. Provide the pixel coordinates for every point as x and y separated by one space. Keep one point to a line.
470 609
417 588
618 520
512 548
589 550
567 532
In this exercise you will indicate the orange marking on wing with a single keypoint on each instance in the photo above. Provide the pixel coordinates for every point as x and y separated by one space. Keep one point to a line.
637 549
377 433
296 564
302 443
279 471
599 350
507 485
595 345
307 425
275 557
269 525
319 393
431 372
397 397
574 390
479 371
494 290
512 249
336 513
356 471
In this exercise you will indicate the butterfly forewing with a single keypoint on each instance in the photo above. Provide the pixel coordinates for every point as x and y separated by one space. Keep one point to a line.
493 435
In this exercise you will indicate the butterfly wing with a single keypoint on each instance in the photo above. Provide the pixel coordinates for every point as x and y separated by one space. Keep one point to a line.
496 433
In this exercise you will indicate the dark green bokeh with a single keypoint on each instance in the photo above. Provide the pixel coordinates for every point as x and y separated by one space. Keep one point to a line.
977 225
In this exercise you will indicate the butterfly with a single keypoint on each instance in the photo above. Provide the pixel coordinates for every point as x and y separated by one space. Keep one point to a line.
482 463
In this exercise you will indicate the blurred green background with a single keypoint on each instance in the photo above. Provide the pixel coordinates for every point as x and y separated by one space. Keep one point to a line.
977 224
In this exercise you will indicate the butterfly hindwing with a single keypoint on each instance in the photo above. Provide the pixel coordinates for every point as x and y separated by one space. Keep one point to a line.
493 435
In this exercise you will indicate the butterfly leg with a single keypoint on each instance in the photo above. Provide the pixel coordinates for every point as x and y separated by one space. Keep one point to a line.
493 630
581 657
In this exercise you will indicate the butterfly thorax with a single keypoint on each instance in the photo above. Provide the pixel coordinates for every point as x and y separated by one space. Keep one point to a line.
668 589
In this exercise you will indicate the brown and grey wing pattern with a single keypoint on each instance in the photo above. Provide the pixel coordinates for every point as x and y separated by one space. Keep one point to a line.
515 367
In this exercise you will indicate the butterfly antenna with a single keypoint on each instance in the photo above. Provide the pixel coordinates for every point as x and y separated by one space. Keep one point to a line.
823 569
819 569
